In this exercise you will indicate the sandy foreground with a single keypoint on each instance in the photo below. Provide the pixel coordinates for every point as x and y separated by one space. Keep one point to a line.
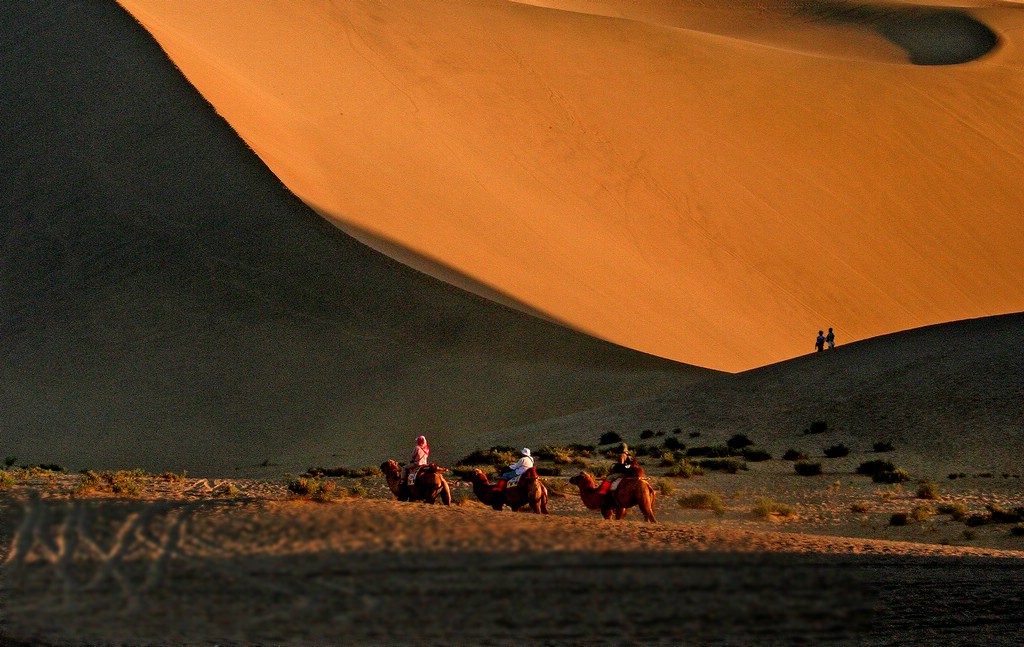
180 565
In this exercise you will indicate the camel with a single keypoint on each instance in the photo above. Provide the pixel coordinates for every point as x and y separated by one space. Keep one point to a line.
428 487
530 491
633 490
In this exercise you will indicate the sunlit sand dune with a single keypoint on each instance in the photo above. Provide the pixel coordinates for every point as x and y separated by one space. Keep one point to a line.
708 183
166 304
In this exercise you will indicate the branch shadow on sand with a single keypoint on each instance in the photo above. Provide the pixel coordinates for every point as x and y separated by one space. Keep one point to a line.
930 36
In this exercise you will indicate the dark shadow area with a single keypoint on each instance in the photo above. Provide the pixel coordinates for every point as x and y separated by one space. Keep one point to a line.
166 303
929 36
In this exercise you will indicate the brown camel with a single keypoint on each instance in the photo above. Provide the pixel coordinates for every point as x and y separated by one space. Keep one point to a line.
633 490
530 491
429 484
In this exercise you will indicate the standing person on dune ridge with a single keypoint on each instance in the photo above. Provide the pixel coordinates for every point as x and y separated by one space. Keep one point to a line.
830 339
819 343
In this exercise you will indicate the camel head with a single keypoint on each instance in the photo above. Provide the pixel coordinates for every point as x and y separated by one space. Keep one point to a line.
477 476
390 467
583 478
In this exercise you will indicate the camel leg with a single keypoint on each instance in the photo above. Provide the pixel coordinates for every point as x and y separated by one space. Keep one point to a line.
446 493
607 513
620 513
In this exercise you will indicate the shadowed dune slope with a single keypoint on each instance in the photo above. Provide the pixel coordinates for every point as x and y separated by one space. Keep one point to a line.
708 182
166 303
950 398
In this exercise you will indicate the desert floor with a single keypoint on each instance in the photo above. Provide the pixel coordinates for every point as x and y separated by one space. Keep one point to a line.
198 561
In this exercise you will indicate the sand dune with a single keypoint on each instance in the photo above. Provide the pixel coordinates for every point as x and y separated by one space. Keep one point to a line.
165 303
948 397
711 184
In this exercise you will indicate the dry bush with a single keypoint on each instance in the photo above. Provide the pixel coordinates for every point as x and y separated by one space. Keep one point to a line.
702 501
685 470
225 490
343 472
836 451
6 480
559 487
899 519
121 482
314 489
755 455
860 507
957 511
921 513
664 487
728 465
896 476
807 468
928 490
794 455
766 508
174 477
1018 530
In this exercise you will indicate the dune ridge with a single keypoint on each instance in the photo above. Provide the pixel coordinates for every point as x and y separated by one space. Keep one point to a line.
713 194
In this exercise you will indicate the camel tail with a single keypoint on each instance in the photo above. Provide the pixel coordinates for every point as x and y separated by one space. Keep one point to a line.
647 506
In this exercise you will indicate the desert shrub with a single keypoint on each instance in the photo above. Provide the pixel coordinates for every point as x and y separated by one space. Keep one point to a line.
817 427
999 514
548 471
123 482
985 475
860 507
807 468
664 487
10 460
645 434
684 469
970 535
921 513
976 520
716 451
728 465
899 519
640 449
673 443
870 468
559 487
48 467
755 455
957 475
765 508
461 497
462 472
344 472
609 437
895 476
677 430
794 455
500 455
957 511
1018 530
668 457
702 501
883 447
555 453
837 451
694 434
739 441
174 477
928 490
357 491
599 469
225 490
315 489
6 480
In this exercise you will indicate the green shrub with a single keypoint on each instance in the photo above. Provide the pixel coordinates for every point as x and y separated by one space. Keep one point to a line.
355 491
673 443
755 455
684 469
500 455
957 511
894 476
609 437
921 513
717 451
976 520
794 455
957 475
645 434
807 468
600 469
870 468
928 490
315 489
739 441
999 514
837 451
343 472
10 460
883 447
766 508
548 471
664 487
970 535
702 501
728 465
899 519
817 427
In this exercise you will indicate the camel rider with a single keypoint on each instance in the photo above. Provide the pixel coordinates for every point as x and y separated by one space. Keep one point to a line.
524 463
618 470
420 454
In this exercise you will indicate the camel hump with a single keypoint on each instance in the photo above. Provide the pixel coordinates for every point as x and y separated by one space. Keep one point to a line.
530 473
